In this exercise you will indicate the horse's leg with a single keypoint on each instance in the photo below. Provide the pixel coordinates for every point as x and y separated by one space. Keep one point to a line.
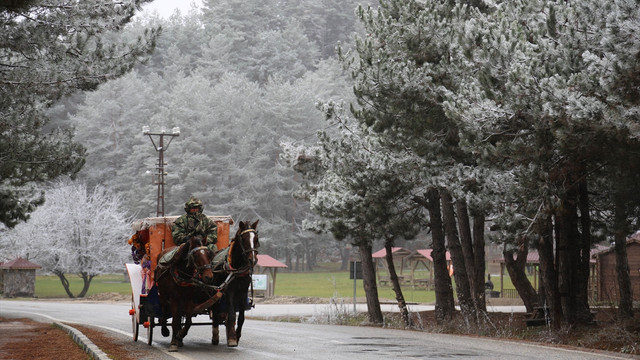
164 329
175 327
187 325
240 323
162 318
215 333
242 305
184 330
232 340
215 327
218 318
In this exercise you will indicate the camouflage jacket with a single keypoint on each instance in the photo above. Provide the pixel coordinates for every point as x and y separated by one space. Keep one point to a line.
189 225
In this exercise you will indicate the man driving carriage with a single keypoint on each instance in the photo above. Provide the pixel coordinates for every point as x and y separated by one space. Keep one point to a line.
195 223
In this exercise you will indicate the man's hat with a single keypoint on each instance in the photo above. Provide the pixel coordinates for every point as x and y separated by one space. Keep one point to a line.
193 203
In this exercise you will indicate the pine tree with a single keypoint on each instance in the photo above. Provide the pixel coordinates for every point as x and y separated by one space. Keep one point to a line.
360 192
48 50
545 90
402 70
231 127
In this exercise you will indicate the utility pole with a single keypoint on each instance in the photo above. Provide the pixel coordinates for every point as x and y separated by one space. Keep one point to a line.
160 148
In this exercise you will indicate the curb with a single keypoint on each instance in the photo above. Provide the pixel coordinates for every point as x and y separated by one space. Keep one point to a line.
87 345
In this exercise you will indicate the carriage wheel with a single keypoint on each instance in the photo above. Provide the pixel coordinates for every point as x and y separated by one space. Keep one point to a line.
149 325
134 320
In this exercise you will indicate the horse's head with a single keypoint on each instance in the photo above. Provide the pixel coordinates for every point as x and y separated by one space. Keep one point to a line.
199 259
244 247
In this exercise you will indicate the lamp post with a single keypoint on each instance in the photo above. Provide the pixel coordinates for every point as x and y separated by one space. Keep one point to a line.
160 148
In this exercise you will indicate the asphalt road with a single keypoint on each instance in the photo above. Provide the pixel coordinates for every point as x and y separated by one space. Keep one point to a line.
284 340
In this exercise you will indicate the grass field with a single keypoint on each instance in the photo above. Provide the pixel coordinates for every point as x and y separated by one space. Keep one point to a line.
325 282
338 284
50 286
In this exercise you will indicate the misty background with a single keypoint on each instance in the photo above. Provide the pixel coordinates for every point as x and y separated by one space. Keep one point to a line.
238 79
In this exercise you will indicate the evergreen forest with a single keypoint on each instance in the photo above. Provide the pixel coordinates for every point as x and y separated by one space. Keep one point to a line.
461 123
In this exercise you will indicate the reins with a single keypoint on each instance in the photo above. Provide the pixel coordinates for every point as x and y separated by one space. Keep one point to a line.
182 278
246 270
199 269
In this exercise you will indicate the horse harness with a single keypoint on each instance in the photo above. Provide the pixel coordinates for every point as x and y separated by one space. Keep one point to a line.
238 240
183 279
246 270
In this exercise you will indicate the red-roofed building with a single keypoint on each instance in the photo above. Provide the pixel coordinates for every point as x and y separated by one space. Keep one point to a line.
399 254
395 251
423 256
267 266
18 278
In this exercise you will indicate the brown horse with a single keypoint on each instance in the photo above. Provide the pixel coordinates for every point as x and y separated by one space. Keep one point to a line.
177 281
241 259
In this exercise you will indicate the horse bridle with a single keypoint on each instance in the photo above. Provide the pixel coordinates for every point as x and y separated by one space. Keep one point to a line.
198 269
253 249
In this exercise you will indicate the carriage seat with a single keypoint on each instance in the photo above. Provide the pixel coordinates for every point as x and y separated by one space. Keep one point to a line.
219 259
168 258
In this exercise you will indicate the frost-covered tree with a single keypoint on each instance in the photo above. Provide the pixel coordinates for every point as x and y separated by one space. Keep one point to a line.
360 191
545 87
78 230
611 78
521 109
271 43
227 152
400 68
49 49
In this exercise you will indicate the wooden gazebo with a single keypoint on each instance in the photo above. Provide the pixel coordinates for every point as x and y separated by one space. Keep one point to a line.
399 254
423 256
269 266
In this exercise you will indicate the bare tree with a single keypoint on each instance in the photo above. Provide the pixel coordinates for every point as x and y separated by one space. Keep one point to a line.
76 231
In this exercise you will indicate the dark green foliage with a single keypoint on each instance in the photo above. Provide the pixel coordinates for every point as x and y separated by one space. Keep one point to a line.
49 49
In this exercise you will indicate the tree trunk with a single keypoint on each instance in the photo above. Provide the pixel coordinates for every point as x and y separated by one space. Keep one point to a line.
548 273
369 283
565 220
86 282
573 248
297 268
457 258
583 271
445 305
345 253
571 278
466 242
308 255
288 258
65 283
625 306
393 276
480 260
516 269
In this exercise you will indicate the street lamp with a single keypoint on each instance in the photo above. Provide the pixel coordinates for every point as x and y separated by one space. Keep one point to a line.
160 148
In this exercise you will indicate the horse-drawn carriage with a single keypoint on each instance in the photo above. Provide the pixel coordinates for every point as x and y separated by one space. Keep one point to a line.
176 282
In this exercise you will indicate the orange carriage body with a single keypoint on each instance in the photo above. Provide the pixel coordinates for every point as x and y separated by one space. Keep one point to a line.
155 234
